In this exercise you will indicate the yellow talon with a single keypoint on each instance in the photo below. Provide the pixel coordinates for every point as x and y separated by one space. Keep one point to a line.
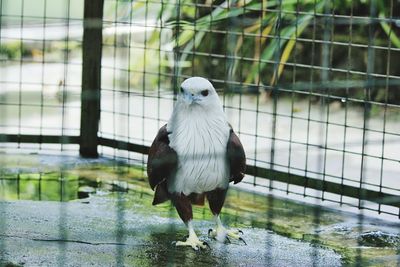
193 242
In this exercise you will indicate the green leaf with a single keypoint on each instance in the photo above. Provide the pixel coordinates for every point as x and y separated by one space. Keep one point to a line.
390 33
289 47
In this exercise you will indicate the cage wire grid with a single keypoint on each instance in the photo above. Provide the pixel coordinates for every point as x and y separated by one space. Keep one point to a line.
36 72
293 77
318 119
308 119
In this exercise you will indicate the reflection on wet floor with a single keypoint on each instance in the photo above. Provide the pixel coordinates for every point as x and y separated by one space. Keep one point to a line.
39 187
53 187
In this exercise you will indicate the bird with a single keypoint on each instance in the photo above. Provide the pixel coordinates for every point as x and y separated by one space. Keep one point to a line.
195 156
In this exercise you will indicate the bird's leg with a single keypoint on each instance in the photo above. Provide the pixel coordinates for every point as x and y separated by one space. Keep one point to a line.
192 241
221 234
216 200
184 209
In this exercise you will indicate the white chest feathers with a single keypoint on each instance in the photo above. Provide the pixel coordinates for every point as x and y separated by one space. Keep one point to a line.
200 140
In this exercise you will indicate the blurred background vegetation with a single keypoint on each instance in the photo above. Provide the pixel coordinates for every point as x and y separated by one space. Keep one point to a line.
339 46
315 45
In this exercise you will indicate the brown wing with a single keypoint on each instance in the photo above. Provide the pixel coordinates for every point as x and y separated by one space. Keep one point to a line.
161 165
236 158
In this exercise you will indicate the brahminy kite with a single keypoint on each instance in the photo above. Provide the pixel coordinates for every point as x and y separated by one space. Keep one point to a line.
195 156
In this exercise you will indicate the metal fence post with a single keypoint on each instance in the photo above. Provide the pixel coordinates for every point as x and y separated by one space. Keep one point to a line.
91 77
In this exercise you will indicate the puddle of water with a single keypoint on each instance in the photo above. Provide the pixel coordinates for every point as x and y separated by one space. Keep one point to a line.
21 189
54 187
60 178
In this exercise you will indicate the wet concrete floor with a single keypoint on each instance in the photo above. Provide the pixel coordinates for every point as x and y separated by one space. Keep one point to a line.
66 211
97 232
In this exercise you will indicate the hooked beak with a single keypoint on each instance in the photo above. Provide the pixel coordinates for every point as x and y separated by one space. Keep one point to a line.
189 98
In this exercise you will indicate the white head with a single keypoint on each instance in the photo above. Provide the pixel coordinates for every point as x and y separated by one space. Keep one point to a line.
198 92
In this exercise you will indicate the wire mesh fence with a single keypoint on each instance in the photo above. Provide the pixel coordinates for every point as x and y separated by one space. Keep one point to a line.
311 87
39 68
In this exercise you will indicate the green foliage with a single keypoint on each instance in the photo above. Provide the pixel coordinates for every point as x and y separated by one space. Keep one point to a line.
258 42
279 29
390 33
13 50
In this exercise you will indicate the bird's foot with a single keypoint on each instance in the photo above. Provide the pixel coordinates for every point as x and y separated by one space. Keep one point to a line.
194 242
221 234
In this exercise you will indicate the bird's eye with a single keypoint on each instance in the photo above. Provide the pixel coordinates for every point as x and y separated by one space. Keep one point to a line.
204 93
182 90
